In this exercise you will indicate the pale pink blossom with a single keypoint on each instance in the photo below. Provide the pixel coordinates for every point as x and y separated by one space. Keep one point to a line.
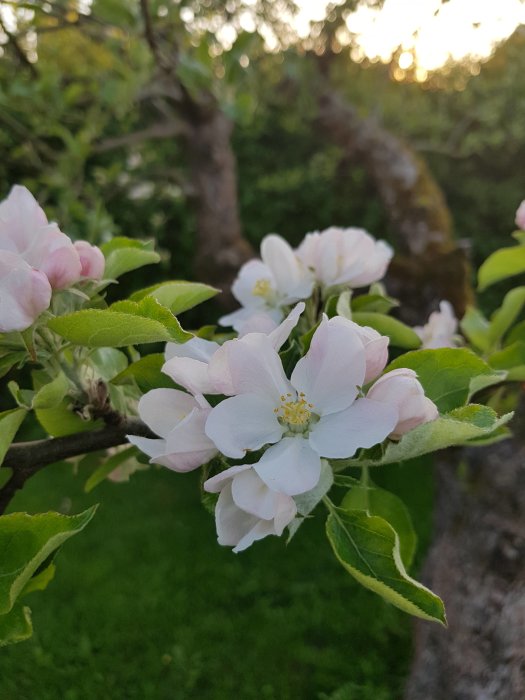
247 510
345 256
520 216
24 230
179 419
376 351
264 287
441 328
24 293
316 413
401 388
91 259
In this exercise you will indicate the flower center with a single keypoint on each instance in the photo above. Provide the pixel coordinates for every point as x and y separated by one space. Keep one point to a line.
296 413
262 288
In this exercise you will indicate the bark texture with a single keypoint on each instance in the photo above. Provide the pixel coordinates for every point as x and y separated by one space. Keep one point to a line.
477 565
430 265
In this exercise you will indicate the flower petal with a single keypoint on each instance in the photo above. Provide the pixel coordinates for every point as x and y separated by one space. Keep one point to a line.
196 348
252 495
364 424
250 273
280 335
189 373
245 422
187 444
261 530
216 483
333 367
232 523
293 281
162 409
290 467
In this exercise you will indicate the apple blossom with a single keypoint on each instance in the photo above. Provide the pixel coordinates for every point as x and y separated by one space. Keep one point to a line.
24 293
24 230
264 287
520 216
376 350
91 259
316 413
247 510
179 420
348 256
440 329
401 388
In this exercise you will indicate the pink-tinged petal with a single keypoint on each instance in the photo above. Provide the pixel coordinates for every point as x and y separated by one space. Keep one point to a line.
195 348
520 216
261 530
249 280
260 322
24 293
415 411
60 261
187 444
241 423
21 218
280 335
152 447
216 483
292 280
333 367
376 351
237 319
92 260
249 365
232 523
290 467
364 424
252 495
162 409
440 329
189 373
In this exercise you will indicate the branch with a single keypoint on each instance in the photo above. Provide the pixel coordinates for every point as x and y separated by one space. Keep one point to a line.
157 131
27 458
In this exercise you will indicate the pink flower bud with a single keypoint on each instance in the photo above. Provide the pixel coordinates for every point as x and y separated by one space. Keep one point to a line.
24 293
376 351
60 261
402 389
91 259
520 216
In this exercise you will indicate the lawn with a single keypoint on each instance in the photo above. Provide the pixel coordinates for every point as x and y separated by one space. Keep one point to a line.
145 605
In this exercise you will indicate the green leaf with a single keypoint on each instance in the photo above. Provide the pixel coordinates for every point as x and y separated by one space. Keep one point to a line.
342 306
504 263
504 317
10 359
124 323
10 421
456 428
50 395
386 505
515 334
368 548
26 541
373 302
445 373
511 359
146 372
177 296
61 420
306 502
475 327
126 254
108 362
16 625
40 581
401 335
105 469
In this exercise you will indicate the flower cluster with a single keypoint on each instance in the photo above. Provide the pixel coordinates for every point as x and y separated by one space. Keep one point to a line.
278 427
36 259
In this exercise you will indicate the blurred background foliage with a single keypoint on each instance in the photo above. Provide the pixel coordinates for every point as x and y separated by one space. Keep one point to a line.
82 126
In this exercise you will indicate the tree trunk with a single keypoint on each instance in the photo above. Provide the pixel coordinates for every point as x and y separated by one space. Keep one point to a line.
430 266
477 562
221 248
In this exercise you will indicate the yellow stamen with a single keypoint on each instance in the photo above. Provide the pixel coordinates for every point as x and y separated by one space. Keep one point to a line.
295 412
262 288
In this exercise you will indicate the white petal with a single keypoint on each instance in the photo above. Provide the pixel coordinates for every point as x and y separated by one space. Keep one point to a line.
189 373
333 367
245 422
216 483
232 523
280 335
237 318
252 495
196 348
242 289
261 530
188 445
286 512
151 447
364 424
260 322
292 279
290 467
162 409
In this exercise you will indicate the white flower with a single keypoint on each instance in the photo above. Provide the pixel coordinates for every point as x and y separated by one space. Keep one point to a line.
376 350
520 216
187 363
317 413
179 420
264 287
402 388
24 293
348 256
247 510
440 329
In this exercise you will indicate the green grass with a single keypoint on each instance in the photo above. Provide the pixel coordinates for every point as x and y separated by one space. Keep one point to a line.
146 606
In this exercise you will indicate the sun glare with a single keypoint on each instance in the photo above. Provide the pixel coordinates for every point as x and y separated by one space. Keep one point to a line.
430 33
